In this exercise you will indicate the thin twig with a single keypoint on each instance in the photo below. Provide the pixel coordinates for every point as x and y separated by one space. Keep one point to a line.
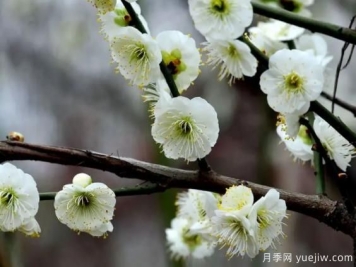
340 67
340 103
338 32
320 208
144 189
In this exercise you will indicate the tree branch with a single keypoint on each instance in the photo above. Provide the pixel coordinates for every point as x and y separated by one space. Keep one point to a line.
144 189
323 209
338 32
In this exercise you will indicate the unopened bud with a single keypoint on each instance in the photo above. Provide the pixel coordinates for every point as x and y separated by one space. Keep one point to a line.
15 136
82 179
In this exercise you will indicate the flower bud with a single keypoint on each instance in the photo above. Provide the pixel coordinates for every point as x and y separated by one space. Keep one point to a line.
15 136
82 179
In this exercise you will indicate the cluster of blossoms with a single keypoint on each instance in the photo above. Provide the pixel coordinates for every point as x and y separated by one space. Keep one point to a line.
185 128
83 206
188 128
164 67
205 220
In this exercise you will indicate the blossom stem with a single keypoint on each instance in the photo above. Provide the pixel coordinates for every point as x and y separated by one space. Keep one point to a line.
261 57
337 175
338 32
318 163
120 192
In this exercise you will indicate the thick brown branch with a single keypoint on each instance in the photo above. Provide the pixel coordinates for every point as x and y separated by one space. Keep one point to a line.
323 209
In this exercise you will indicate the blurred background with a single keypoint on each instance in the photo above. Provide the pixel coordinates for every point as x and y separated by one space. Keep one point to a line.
57 87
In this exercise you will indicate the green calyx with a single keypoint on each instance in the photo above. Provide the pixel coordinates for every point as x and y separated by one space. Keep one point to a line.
304 135
123 18
173 62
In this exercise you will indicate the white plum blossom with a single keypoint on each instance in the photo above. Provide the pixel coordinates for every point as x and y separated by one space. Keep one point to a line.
220 19
294 78
337 147
137 56
267 214
231 224
234 58
85 209
103 6
112 21
198 207
186 128
19 198
277 30
247 228
185 241
300 146
196 204
191 233
236 198
30 227
316 45
181 56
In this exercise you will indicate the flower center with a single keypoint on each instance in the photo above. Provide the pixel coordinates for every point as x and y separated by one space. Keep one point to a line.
219 6
7 196
294 83
139 52
291 5
262 219
83 200
233 52
184 126
238 227
192 241
173 62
